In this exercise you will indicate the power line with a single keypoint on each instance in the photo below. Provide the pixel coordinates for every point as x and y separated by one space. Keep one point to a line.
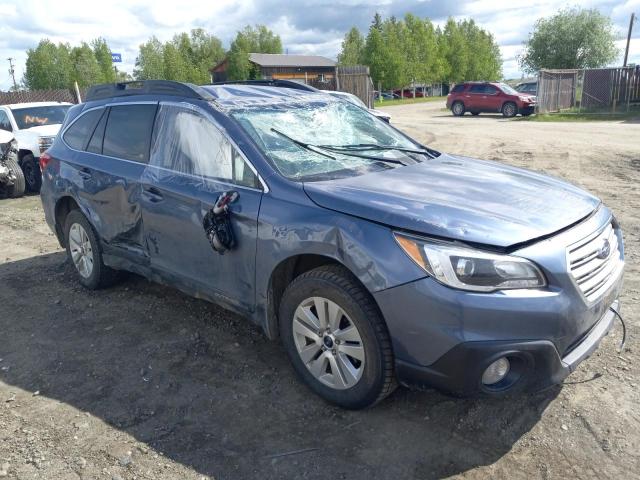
12 72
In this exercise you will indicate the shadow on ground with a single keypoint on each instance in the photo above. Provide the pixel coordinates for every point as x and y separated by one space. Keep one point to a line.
209 391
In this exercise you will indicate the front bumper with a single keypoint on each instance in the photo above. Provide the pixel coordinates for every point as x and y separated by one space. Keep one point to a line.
535 365
445 337
527 109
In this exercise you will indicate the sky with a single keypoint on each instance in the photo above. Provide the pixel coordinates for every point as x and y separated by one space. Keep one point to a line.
306 27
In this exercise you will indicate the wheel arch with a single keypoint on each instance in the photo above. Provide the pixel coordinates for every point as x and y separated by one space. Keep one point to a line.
515 104
63 207
285 272
23 152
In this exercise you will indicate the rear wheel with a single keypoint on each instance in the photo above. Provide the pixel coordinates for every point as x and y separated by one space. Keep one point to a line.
336 339
32 175
457 109
85 254
509 110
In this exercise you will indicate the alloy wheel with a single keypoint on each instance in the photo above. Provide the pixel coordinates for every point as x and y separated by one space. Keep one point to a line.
81 251
328 342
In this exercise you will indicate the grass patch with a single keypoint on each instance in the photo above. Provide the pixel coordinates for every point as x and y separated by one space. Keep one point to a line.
406 101
576 116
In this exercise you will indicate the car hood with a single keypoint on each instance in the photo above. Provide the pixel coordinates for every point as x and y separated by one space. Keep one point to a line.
379 113
44 130
460 198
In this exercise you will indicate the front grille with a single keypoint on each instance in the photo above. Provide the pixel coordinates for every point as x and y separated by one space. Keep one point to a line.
592 270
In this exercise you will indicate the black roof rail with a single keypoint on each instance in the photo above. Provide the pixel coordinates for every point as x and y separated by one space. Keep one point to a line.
147 87
272 83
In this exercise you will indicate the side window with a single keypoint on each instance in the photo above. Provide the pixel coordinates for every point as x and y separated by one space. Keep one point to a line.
490 90
477 88
128 130
77 135
187 142
5 124
95 144
458 88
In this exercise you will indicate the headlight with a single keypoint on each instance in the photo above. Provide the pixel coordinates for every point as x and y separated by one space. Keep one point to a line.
470 269
45 142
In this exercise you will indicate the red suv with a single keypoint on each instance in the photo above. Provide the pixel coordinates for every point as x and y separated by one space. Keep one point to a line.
477 97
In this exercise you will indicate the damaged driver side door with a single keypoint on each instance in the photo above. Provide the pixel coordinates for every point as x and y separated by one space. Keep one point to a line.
192 166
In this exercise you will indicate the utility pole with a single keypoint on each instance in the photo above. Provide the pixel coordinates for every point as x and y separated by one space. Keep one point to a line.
12 72
626 52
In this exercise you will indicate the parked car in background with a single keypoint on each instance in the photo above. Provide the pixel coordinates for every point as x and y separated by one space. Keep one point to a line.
373 258
388 95
489 97
34 126
408 93
528 88
349 97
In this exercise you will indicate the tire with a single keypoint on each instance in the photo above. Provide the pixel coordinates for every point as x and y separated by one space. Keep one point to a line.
17 190
509 109
98 275
475 114
458 109
32 175
366 381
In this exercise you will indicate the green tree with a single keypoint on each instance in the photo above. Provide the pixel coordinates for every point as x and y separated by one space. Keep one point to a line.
102 53
84 66
48 66
352 48
207 51
572 38
150 61
456 52
258 39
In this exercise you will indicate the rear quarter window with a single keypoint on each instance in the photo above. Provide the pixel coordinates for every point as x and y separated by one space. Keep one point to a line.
458 88
128 132
77 135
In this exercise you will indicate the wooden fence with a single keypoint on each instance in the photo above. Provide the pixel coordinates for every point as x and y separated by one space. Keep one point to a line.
593 90
355 80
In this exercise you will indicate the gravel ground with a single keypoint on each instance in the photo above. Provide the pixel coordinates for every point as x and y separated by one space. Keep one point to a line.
141 382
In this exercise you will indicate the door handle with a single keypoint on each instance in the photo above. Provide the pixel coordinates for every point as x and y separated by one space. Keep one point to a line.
85 173
153 194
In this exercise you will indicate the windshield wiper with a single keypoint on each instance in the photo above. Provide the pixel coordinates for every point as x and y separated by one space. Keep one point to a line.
307 146
375 146
317 149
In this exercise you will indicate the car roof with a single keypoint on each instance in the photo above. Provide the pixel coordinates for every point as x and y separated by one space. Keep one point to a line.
35 104
242 95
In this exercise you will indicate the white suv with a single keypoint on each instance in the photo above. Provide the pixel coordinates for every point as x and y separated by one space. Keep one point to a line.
34 126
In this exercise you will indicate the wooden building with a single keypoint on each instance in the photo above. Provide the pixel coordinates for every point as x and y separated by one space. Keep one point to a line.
312 69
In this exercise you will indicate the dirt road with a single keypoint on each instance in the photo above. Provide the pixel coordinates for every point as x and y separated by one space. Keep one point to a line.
142 382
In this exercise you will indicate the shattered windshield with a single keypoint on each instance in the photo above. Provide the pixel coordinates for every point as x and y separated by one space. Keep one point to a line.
326 139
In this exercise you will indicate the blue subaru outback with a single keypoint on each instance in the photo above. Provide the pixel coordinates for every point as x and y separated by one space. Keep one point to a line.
376 260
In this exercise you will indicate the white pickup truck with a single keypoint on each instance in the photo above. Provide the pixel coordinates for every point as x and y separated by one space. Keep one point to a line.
34 126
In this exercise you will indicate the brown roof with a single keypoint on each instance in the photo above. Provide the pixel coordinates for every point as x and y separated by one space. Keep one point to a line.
280 60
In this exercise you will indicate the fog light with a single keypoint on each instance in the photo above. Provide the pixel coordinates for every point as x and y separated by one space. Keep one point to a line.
496 371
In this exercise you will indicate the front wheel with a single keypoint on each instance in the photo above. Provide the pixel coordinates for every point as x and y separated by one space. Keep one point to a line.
509 110
336 339
17 189
32 175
